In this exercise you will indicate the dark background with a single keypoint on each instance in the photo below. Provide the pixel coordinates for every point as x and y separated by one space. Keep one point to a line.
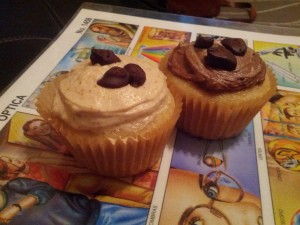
28 26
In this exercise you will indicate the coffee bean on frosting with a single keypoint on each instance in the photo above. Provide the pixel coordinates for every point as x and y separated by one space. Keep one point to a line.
136 73
103 57
115 77
220 57
236 45
203 42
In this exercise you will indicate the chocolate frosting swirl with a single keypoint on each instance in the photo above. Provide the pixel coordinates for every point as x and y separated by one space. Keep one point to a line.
188 62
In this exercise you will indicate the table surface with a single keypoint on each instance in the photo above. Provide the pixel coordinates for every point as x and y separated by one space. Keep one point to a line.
259 25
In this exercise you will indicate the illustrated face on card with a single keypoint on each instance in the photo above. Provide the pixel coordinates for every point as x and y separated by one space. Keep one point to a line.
281 115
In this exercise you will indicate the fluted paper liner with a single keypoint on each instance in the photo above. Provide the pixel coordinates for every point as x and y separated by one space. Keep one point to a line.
215 115
110 156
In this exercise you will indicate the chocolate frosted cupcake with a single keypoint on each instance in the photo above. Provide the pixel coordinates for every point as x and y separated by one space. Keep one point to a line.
223 85
115 111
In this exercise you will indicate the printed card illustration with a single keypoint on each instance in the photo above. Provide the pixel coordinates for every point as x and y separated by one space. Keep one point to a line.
283 158
155 42
105 35
213 182
283 59
40 185
281 115
281 129
100 34
33 131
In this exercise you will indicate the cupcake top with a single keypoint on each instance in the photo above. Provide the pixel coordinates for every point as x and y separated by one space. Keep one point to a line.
110 91
222 66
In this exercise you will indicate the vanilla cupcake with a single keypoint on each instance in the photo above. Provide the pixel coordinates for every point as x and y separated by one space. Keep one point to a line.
223 85
115 111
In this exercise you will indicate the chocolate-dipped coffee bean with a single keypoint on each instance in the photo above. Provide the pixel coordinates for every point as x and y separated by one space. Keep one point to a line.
137 76
203 42
236 45
220 57
103 57
115 77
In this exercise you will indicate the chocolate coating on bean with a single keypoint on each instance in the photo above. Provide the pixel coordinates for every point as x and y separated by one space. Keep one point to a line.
115 77
220 57
136 73
103 57
203 42
236 45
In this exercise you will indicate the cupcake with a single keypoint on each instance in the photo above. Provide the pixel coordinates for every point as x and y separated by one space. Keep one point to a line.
223 85
115 111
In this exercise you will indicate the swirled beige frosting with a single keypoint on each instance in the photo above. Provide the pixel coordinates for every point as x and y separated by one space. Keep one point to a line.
188 62
85 105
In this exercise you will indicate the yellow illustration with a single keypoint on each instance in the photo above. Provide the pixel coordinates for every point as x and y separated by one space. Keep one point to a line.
113 33
286 153
214 198
32 131
281 115
283 158
283 59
